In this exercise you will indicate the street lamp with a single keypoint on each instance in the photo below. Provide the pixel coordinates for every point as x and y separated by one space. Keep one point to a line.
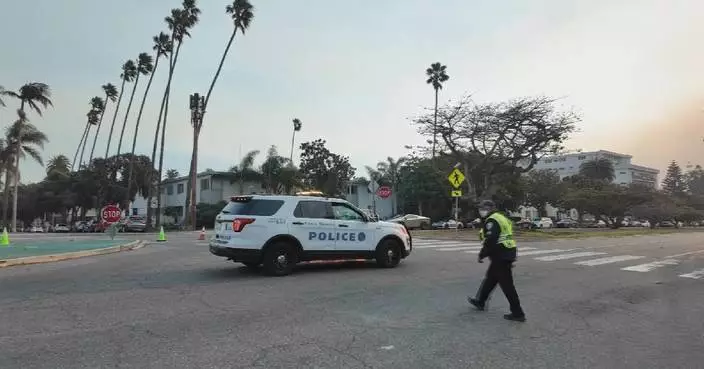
197 106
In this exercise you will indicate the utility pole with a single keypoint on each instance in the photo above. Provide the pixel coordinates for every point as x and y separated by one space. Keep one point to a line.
197 106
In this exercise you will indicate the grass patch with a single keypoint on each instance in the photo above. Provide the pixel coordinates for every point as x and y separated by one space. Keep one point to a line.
553 234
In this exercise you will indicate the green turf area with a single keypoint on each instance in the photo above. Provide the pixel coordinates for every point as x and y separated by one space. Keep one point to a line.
25 248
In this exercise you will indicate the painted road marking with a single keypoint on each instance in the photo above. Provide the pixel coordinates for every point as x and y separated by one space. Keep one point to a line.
437 246
685 254
650 266
697 274
520 253
459 248
609 260
569 256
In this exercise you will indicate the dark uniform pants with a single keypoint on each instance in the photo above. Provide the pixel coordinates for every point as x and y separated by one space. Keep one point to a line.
500 273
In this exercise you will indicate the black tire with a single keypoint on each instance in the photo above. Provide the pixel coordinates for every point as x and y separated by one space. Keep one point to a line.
274 264
251 265
388 254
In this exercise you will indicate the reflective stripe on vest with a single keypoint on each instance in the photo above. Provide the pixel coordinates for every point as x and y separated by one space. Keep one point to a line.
506 232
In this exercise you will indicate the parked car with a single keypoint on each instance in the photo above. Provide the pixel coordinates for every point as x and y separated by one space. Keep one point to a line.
526 224
412 221
666 224
61 228
567 223
135 224
543 222
36 229
448 224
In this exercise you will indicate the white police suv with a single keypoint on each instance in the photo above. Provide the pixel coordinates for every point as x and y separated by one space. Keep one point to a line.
279 231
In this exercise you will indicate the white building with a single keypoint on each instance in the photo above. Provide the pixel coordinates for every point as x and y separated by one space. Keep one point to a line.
360 194
568 165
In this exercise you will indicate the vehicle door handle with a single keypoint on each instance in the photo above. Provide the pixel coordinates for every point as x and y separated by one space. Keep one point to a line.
297 223
343 225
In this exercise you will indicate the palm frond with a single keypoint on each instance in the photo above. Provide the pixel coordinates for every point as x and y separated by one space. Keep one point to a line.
34 153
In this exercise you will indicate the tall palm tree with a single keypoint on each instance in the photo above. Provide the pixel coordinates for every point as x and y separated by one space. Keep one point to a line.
179 22
391 170
162 47
436 76
36 95
7 163
2 92
600 169
97 107
129 72
25 139
110 95
296 127
58 166
145 65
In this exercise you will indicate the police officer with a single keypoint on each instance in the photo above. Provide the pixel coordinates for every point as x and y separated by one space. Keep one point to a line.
500 247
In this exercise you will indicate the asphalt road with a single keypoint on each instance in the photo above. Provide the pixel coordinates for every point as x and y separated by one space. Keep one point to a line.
174 305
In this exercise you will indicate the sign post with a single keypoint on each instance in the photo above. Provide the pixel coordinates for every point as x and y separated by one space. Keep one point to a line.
456 178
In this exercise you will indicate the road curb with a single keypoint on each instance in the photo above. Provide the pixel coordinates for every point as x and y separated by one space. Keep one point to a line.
133 245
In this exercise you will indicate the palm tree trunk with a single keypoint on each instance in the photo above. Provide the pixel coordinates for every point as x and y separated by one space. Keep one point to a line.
172 67
136 130
114 117
6 196
85 141
97 129
194 176
78 148
127 113
435 122
217 73
17 183
293 138
153 159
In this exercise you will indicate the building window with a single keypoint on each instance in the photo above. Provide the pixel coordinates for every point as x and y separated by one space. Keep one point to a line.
170 189
581 157
135 211
205 184
621 172
179 188
561 169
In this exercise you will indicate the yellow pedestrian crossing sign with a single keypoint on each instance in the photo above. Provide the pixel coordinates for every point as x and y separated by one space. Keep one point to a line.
456 178
456 193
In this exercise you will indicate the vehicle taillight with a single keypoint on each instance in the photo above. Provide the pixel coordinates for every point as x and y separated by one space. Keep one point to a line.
239 223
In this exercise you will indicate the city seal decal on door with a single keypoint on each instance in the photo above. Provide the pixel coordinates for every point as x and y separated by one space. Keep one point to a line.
337 236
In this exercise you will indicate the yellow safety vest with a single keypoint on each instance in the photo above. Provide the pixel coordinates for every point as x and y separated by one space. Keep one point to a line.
505 233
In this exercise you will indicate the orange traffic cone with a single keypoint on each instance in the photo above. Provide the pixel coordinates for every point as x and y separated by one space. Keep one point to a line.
202 234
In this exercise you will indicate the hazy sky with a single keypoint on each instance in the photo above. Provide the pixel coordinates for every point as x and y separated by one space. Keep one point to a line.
353 71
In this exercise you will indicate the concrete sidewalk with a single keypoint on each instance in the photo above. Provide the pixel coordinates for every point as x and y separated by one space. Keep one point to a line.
28 248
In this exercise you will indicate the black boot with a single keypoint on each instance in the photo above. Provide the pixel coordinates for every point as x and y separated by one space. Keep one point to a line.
515 317
476 303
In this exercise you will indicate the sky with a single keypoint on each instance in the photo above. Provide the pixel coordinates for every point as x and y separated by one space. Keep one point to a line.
354 72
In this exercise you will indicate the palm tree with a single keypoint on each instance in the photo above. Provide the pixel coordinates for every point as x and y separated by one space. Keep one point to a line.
179 22
391 170
245 170
600 169
162 47
97 107
25 139
172 173
145 65
436 76
296 127
129 72
8 166
110 95
2 92
58 166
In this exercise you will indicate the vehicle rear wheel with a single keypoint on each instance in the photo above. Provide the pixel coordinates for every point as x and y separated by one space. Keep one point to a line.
388 254
280 259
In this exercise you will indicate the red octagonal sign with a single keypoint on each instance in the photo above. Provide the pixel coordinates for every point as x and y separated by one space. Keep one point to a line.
110 214
384 192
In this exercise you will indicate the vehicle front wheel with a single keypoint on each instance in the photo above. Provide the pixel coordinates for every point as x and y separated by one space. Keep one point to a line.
280 259
388 254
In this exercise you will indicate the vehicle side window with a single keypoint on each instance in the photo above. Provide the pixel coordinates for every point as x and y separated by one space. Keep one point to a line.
344 212
313 209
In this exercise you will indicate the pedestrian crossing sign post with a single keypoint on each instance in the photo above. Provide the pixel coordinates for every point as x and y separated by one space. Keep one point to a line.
456 178
456 193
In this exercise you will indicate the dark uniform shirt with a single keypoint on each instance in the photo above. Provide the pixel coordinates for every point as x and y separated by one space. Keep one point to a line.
491 248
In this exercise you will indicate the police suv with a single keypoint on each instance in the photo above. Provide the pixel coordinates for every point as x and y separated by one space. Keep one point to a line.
277 232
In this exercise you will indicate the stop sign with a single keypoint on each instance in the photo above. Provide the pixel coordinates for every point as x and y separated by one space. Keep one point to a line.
384 192
110 214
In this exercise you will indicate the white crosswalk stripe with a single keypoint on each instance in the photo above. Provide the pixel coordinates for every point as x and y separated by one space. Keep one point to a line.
443 245
519 252
697 274
609 260
459 248
569 256
650 266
